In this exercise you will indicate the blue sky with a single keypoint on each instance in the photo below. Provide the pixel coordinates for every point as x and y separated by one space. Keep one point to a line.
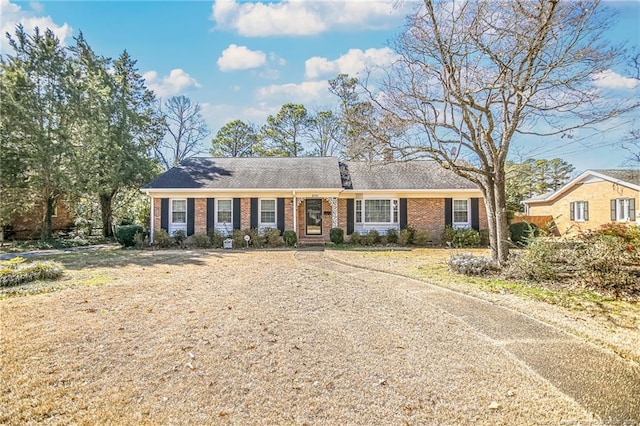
245 59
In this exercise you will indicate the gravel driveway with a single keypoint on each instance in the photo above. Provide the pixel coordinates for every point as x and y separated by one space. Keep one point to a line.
288 338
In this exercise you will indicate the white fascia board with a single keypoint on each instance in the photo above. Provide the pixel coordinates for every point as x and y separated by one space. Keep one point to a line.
579 179
204 192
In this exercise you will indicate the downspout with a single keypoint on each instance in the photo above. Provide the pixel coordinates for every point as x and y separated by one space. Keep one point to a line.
295 213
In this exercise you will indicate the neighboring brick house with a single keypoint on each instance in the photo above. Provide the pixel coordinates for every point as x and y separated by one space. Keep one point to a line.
29 224
594 198
311 195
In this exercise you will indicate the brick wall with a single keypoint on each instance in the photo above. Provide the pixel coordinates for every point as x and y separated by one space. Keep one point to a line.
288 214
200 223
157 206
426 213
245 213
597 194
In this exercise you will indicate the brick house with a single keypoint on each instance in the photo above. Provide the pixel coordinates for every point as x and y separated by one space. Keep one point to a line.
29 224
311 195
594 198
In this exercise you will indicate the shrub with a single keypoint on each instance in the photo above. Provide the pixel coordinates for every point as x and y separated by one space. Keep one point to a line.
238 238
162 239
484 238
392 236
371 238
272 237
179 237
356 238
421 237
336 235
290 238
257 240
628 232
448 234
201 240
17 271
466 237
468 264
140 240
216 238
537 263
405 237
522 232
125 234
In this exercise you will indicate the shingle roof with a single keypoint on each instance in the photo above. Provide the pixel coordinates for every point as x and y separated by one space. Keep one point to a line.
251 173
627 175
418 174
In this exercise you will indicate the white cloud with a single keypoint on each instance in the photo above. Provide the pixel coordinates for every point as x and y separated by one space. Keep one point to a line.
305 92
175 83
352 62
296 18
236 58
611 80
13 14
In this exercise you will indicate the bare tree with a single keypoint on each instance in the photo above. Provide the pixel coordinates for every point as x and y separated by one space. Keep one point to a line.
325 133
472 75
185 130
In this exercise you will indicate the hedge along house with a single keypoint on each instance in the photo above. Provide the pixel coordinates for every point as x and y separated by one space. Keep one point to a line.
311 195
592 199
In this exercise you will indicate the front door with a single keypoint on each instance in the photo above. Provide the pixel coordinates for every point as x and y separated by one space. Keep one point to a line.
314 216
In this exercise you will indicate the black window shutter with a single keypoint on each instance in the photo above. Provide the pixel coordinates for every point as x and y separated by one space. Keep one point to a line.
280 214
254 213
586 210
236 213
475 214
164 214
448 211
613 210
632 209
403 213
350 217
572 214
191 215
211 205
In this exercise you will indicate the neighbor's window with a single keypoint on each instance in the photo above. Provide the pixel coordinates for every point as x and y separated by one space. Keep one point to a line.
580 211
623 209
268 211
179 211
460 211
224 211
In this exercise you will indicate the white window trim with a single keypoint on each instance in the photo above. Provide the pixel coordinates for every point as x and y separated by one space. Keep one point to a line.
578 212
216 221
623 214
394 204
273 224
186 211
455 224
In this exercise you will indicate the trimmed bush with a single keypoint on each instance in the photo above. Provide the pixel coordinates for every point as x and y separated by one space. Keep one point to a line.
448 234
238 239
125 234
484 238
392 236
290 238
355 238
272 237
140 240
336 235
179 237
522 233
405 237
16 271
217 239
421 238
162 239
201 240
462 237
371 238
468 264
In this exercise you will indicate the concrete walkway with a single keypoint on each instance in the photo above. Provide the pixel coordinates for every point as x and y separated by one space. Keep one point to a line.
601 381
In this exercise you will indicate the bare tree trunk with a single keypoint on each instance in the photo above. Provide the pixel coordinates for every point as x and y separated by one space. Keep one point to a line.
47 225
106 210
501 219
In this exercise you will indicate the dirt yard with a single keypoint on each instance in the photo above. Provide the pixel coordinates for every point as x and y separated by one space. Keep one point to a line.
253 338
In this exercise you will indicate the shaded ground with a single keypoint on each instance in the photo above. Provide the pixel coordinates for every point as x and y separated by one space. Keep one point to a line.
282 337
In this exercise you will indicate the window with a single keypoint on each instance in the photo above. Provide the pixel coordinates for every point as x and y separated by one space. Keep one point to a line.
224 211
623 209
460 212
178 211
268 212
376 211
579 211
